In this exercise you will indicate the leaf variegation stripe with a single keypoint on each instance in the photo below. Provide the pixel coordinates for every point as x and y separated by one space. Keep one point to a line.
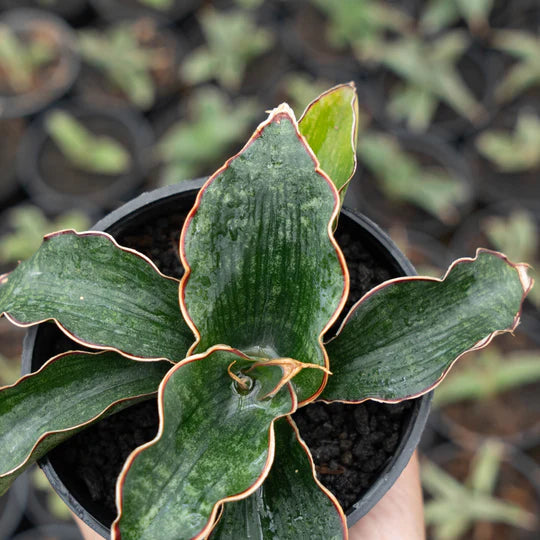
101 295
68 393
290 504
402 338
214 444
263 270
330 126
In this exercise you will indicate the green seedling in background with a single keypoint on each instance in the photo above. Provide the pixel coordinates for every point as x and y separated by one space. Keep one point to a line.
518 235
29 224
162 5
490 373
402 178
213 119
456 507
19 60
98 154
428 73
525 74
126 64
513 151
362 25
441 14
232 40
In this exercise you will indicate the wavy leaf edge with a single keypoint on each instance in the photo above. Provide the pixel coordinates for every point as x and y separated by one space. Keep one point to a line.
77 426
526 283
322 487
20 324
216 511
282 111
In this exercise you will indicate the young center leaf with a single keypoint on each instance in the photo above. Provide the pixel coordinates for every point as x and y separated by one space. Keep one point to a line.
215 443
68 393
263 271
403 336
330 126
101 295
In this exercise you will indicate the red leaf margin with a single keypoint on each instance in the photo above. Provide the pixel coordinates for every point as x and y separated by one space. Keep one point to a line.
77 426
354 131
212 520
526 284
84 343
283 111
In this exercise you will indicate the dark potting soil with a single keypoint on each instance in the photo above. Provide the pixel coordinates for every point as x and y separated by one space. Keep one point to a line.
350 443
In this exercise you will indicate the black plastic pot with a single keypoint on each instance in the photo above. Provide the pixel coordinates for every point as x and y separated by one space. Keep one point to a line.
58 79
113 10
44 340
55 184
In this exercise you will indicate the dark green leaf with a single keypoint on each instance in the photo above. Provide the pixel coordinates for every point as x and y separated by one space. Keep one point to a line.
290 504
67 394
104 296
214 443
403 336
263 273
330 126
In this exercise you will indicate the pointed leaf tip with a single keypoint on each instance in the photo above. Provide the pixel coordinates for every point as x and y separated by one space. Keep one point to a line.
401 338
330 127
240 247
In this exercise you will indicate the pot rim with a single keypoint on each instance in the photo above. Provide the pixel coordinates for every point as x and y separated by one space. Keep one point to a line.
409 439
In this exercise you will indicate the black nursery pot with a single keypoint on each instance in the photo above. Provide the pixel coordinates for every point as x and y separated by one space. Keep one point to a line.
55 184
56 79
135 225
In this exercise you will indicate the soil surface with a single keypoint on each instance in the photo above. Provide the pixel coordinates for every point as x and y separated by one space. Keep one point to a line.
350 443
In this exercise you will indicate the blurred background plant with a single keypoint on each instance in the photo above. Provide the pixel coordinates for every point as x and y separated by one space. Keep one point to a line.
96 153
458 505
19 59
450 131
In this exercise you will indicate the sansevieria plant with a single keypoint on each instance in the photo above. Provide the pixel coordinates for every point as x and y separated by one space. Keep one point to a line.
236 346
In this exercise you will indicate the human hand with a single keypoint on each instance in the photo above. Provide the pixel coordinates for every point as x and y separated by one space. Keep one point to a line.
399 515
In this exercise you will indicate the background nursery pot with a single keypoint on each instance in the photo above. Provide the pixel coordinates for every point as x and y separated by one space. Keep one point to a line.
47 79
142 223
51 178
